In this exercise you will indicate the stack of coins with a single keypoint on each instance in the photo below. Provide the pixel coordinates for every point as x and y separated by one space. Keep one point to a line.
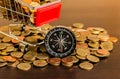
93 44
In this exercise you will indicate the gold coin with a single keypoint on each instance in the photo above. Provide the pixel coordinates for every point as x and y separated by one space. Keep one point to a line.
78 25
2 60
54 61
102 51
34 4
42 56
67 60
40 63
46 27
9 49
9 58
24 66
83 52
93 38
14 64
17 33
4 53
81 45
75 59
1 36
86 65
67 65
3 64
103 37
93 58
16 54
94 44
26 33
2 46
6 39
107 45
30 55
30 39
113 39
81 57
101 55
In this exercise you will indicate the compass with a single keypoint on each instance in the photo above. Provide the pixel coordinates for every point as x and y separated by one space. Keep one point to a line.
60 42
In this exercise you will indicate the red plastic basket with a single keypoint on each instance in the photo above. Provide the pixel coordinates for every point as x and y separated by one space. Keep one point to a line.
47 13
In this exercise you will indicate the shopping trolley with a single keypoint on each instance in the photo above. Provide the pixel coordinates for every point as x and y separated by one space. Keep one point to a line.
59 41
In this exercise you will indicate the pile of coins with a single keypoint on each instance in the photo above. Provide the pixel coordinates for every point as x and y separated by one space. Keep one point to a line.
93 44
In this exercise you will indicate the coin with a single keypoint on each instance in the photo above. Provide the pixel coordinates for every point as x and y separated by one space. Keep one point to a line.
2 60
36 1
26 33
16 54
54 61
75 59
9 58
42 56
34 4
67 61
101 55
93 58
81 45
2 46
103 37
21 38
3 64
6 39
96 32
78 25
67 65
1 36
86 65
14 64
46 27
94 44
113 39
17 33
24 66
93 38
31 39
102 51
83 52
30 55
40 63
15 27
107 45
9 49
81 57
4 53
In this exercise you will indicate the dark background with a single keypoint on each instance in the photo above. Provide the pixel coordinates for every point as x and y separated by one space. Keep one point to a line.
99 13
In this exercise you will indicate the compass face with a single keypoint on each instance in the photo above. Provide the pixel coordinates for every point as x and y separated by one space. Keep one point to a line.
60 42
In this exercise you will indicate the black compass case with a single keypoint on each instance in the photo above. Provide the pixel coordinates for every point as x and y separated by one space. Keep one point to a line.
60 42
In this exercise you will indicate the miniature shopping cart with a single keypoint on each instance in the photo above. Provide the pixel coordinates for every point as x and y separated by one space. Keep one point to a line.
20 12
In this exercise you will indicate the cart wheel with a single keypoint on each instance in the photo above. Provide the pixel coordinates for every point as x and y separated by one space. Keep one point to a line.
60 42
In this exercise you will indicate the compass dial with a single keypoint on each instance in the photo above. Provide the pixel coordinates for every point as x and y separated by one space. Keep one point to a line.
60 42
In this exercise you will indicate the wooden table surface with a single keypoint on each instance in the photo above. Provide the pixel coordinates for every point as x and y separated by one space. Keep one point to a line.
101 13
